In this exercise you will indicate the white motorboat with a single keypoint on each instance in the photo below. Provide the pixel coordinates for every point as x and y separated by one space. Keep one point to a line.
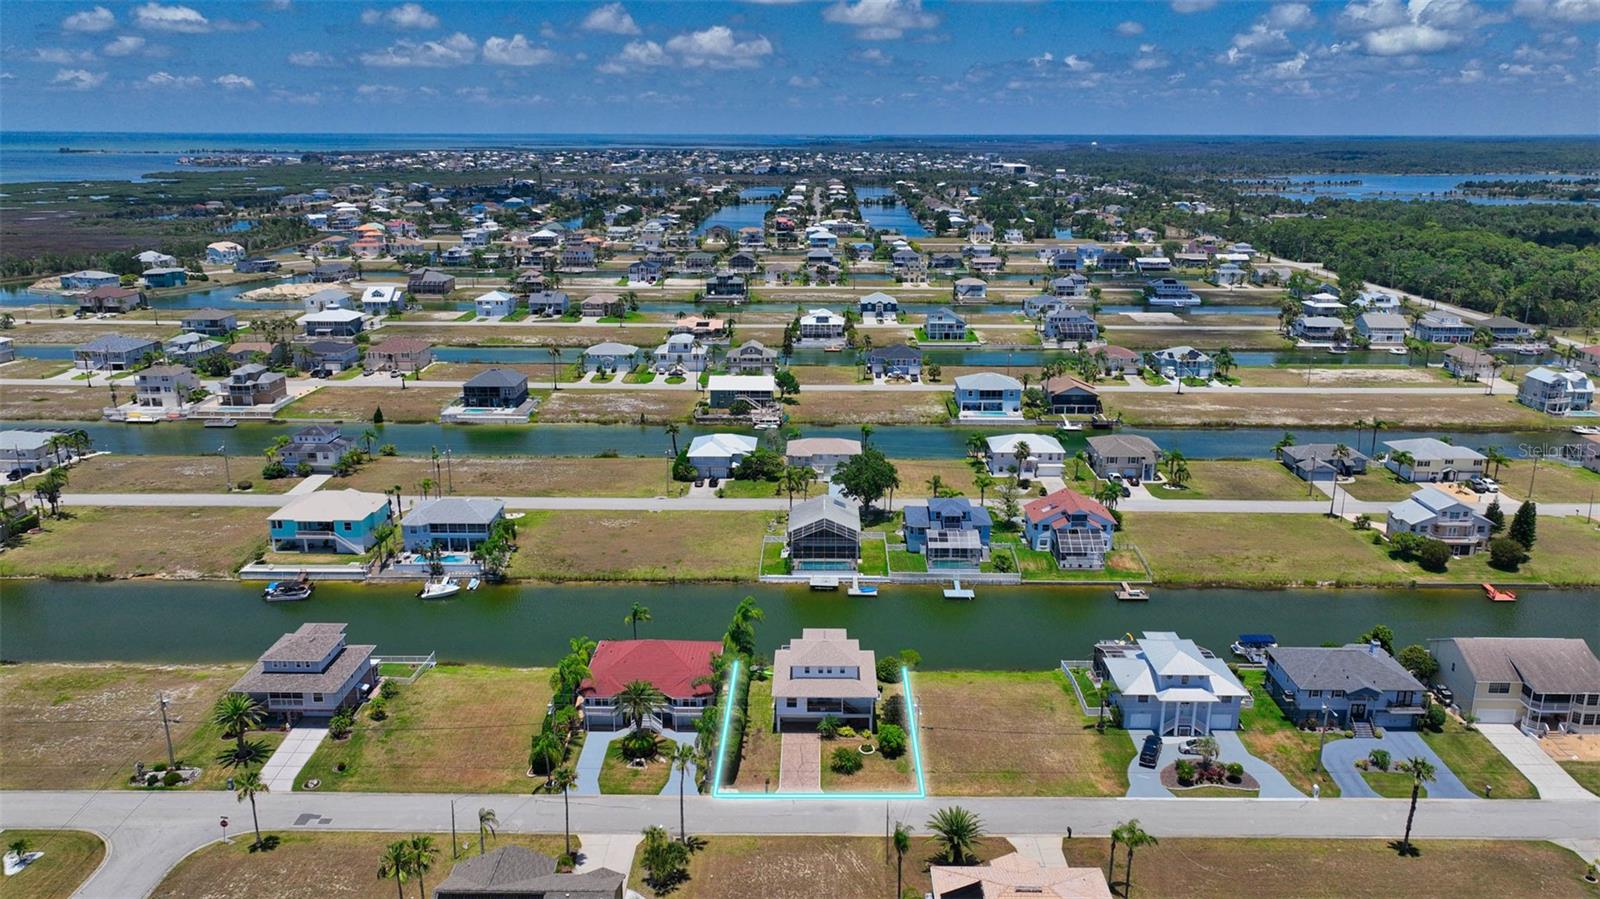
439 588
1398 351
221 423
859 589
1585 429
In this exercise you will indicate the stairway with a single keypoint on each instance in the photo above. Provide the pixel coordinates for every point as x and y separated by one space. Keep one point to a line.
1362 728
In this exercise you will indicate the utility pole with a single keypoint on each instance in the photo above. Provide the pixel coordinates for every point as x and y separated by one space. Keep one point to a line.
449 474
1322 736
167 726
227 479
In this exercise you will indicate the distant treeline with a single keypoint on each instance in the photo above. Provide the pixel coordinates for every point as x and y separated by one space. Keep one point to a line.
1543 188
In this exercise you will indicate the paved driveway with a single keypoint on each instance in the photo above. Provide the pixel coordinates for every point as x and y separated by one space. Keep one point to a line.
292 754
800 770
1146 782
590 759
671 789
1273 784
1523 751
1339 758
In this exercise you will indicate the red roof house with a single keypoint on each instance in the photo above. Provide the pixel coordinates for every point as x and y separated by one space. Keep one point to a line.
671 666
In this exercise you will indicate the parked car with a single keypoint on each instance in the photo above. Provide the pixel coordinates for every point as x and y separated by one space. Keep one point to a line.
1443 694
713 481
1484 485
1187 748
699 482
1150 752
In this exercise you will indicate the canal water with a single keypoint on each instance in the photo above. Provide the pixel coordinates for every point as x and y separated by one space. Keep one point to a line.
888 218
1005 628
1370 186
225 297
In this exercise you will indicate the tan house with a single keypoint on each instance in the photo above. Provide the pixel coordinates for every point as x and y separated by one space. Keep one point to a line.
1537 683
400 354
824 673
1014 877
822 454
1469 363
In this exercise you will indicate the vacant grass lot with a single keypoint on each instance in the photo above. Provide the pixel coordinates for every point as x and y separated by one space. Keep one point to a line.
1379 484
70 856
1121 565
1272 738
1553 482
1254 479
521 476
525 334
1325 869
618 406
761 751
71 727
954 474
34 368
316 865
639 546
729 867
1564 555
70 331
459 729
827 374
194 543
1031 739
1475 760
412 404
880 407
57 403
116 473
1220 407
1260 550
1393 376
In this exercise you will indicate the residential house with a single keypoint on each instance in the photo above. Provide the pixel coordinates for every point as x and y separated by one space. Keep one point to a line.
497 388
1044 458
246 350
164 387
985 265
1152 264
329 521
1436 514
1377 301
681 352
1170 292
329 272
327 298
602 305
210 322
950 532
821 454
716 455
23 452
1339 686
548 303
1167 684
971 290
1012 876
252 384
1469 363
611 357
878 304
1070 287
318 447
383 299
311 673
1507 331
1119 360
980 232
895 360
1540 684
495 304
111 298
154 259
1382 329
825 673
907 261
751 358
725 286
1555 392
701 328
1075 530
224 252
1322 461
1228 274
1588 360
408 354
1442 327
1067 395
345 323
988 394
256 265
451 523
821 324
579 257
1433 460
189 348
1128 455
114 352
1323 304
680 670
8 350
733 392
156 278
825 534
743 263
943 324
1318 328
430 282
944 262
645 271
1183 362
1065 324
517 872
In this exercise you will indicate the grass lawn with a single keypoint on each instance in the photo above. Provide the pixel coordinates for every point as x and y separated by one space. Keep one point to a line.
874 556
201 747
617 406
1587 774
762 749
772 560
617 777
412 404
1475 760
1214 792
117 473
1325 869
799 867
1032 739
1385 376
750 489
1145 338
1036 565
34 368
195 543
70 856
458 729
1255 479
82 726
1554 482
953 474
900 560
639 546
1260 550
827 374
1219 408
521 476
1272 738
1391 784
316 865
538 373
880 407
1379 484
56 403
1564 555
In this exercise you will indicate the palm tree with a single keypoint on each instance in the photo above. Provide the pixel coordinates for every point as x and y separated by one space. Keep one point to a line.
794 478
635 615
957 832
866 434
984 481
935 484
1378 424
563 780
1179 475
977 445
672 430
639 700
367 437
1422 772
1223 361
421 852
1402 459
246 786
236 714
555 366
396 865
1022 452
1493 456
487 820
1078 458
683 756
902 845
425 487
1108 494
245 755
1133 837
1116 837
1340 454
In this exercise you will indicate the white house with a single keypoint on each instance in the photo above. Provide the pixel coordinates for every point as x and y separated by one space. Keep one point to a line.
715 455
1433 513
1432 459
1556 392
495 304
1382 329
224 252
821 324
1537 683
824 673
1166 684
383 299
822 454
681 351
1045 456
988 394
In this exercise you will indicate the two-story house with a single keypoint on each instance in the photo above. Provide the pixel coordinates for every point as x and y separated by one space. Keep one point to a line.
821 454
1382 329
1075 530
971 290
1556 392
950 532
114 352
1126 455
210 322
1028 456
1183 362
164 387
495 304
726 287
1167 684
406 354
824 673
1539 684
1435 514
312 673
1066 324
681 352
896 360
1340 686
253 384
319 447
1170 292
1067 395
879 305
1442 327
943 324
329 521
1469 363
497 388
716 455
821 324
679 670
1429 459
988 394
451 523
751 358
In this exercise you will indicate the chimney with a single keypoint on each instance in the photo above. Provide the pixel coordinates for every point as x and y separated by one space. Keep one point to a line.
1373 646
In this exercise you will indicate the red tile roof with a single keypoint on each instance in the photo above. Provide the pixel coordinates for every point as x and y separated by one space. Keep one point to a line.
671 666
1064 500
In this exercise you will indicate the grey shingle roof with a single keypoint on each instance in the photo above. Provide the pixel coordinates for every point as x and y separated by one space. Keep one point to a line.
454 510
498 377
1545 664
1345 668
521 872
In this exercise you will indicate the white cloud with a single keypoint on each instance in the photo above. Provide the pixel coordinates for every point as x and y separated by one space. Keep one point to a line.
167 79
717 48
1390 28
881 20
1290 16
1185 7
310 59
380 92
635 55
1042 59
77 79
176 19
1130 28
1076 63
804 81
613 18
1553 12
515 51
61 56
90 21
455 50
406 15
1149 59
1269 34
124 45
234 82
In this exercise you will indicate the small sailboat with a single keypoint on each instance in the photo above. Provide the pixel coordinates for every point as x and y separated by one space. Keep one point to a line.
1498 595
859 589
288 591
439 588
956 591
1131 593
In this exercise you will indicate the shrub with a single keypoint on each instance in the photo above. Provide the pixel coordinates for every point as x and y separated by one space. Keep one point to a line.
1186 772
171 779
1433 718
1434 556
159 767
244 485
828 727
893 711
1380 759
845 760
1363 522
1506 554
1004 562
340 725
274 470
1235 773
388 689
888 669
891 740
151 780
847 733
376 710
638 745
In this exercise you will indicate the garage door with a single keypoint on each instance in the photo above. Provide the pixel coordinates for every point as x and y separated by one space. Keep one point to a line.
1138 720
1498 716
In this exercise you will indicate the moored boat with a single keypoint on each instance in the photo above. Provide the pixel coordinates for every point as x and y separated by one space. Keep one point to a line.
439 588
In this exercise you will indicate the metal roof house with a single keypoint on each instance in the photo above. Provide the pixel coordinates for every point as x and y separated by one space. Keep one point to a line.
1167 684
825 534
988 394
715 455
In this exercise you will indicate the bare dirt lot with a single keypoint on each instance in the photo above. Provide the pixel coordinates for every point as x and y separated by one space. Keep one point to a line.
113 473
549 476
1219 407
413 404
55 403
617 406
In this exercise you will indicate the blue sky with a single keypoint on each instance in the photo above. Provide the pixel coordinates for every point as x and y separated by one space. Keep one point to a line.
837 66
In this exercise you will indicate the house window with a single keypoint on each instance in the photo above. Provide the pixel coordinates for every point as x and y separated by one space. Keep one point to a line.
316 697
1500 688
1338 693
791 703
1315 694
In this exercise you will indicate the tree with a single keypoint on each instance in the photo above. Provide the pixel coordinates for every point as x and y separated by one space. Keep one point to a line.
741 636
957 832
246 786
672 430
544 753
795 478
1492 455
246 755
635 615
1108 493
237 714
663 859
421 852
976 445
1133 837
1434 556
1417 660
49 489
1381 633
902 845
638 701
1506 554
1421 771
982 480
396 865
786 382
377 413
1496 516
682 758
1010 508
563 780
1525 524
867 476
487 820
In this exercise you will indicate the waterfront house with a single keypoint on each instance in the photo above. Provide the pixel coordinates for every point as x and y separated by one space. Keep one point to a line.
1170 292
189 348
1167 684
1152 264
943 324
8 350
985 264
1507 331
164 387
383 299
451 523
824 673
716 455
1227 275
495 304
408 354
327 298
752 358
577 257
150 259
1117 361
1376 301
1540 684
602 305
224 252
1338 686
1040 304
27 451
517 872
1556 392
430 282
701 328
318 447
897 360
680 670
329 272
971 290
1433 460
1323 304
312 672
1068 395
1469 363
114 352
988 395
1012 876
645 271
1436 514
547 303
256 265
1183 362
329 521
252 384
950 532
1044 458
1127 455
346 323
1318 328
1070 287
734 391
210 322
743 263
821 324
821 454
497 388
111 298
156 278
251 350
1588 360
610 356
825 534
944 262
1065 324
681 353
1442 327
1075 530
1382 329
1322 461
878 304
725 286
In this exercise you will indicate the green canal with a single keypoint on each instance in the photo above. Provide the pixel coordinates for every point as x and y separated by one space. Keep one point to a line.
1005 628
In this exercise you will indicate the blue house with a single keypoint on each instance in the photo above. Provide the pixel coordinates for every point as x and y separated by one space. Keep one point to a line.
988 394
951 532
943 324
329 521
165 277
1343 685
